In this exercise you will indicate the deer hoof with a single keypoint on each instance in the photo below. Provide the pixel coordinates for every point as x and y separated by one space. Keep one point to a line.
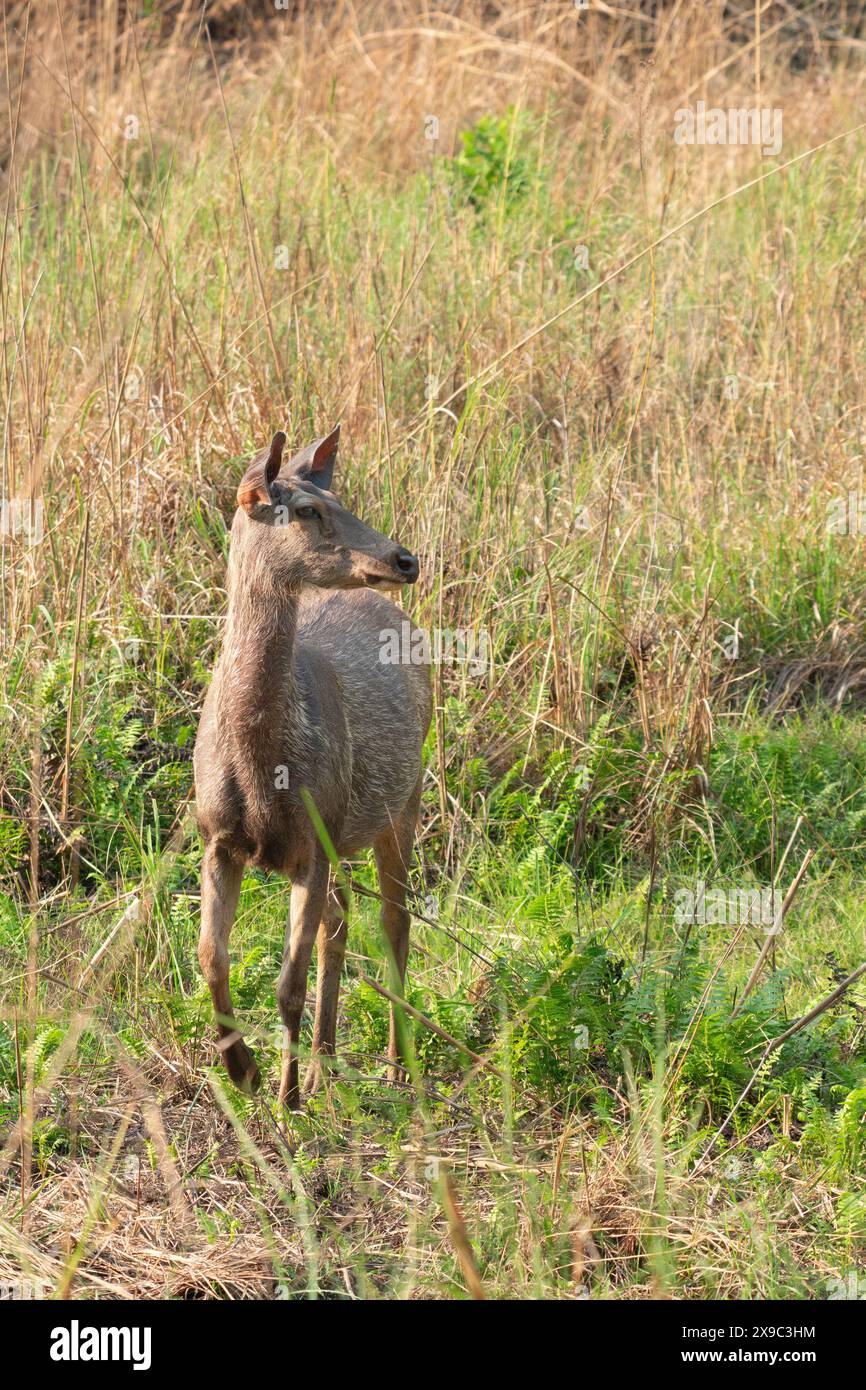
289 1096
314 1079
242 1068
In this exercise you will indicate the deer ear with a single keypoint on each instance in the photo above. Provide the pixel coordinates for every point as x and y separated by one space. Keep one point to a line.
255 485
316 462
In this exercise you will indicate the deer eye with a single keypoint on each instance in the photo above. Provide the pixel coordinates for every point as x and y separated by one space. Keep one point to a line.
306 513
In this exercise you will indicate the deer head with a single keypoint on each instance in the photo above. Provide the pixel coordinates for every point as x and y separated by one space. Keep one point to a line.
300 531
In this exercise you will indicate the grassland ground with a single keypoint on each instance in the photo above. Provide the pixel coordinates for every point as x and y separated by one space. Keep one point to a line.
610 387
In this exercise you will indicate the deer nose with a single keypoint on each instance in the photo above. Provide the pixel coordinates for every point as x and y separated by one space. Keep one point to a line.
407 564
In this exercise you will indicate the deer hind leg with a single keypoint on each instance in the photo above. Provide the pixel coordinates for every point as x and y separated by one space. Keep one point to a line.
331 950
305 914
220 889
393 851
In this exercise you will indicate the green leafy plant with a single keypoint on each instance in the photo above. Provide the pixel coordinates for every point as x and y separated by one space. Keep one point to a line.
493 163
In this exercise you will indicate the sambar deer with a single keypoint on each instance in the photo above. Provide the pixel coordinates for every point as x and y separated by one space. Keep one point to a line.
302 710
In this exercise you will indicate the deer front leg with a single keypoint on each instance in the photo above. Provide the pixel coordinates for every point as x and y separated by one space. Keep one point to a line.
331 951
220 889
306 911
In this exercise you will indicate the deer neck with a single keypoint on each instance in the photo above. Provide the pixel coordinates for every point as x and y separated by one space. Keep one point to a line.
258 709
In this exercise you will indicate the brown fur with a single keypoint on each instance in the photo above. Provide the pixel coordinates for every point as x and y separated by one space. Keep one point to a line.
300 699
